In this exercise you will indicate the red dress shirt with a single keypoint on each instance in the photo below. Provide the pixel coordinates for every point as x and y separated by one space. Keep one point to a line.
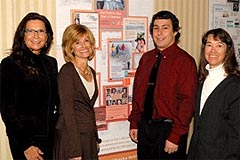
174 94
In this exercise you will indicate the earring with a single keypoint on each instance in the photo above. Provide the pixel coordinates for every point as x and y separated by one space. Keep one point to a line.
46 45
72 52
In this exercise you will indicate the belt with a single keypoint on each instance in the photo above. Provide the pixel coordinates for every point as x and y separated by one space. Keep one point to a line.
159 121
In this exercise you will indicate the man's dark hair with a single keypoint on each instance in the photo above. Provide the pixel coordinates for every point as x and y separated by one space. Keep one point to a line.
167 15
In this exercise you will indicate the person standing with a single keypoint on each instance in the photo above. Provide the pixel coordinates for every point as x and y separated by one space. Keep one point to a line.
163 134
216 120
29 106
76 130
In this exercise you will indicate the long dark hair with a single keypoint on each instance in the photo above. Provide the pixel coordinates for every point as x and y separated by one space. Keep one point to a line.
230 62
18 43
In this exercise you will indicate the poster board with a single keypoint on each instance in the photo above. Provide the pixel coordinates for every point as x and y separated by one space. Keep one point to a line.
111 26
226 14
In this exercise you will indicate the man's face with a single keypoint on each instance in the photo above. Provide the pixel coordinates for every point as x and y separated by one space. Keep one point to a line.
163 34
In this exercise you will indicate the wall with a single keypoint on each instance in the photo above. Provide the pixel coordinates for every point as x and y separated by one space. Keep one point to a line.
193 16
12 11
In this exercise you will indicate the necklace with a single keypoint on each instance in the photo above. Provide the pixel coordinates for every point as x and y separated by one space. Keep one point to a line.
84 71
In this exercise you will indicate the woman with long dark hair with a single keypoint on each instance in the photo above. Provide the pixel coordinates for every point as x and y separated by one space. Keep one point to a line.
29 90
217 121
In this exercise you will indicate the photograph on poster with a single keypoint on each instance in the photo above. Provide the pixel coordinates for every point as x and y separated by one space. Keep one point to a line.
100 114
225 14
89 19
119 59
128 81
111 12
115 95
136 28
116 102
109 4
105 35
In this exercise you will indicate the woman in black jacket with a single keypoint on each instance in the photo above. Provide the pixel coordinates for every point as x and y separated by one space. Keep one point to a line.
29 90
216 132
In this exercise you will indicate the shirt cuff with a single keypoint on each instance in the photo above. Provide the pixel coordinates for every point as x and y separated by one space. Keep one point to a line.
133 125
174 138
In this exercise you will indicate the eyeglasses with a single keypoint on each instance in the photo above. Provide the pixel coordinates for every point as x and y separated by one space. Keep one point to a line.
31 32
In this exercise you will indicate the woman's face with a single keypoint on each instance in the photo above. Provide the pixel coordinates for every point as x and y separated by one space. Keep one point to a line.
35 36
215 51
82 47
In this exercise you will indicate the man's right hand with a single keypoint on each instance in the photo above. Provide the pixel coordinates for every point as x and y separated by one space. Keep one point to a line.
133 134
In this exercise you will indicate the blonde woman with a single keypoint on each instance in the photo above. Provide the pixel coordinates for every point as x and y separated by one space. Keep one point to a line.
76 131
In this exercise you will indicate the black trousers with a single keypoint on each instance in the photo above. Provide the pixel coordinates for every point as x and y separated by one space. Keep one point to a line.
151 142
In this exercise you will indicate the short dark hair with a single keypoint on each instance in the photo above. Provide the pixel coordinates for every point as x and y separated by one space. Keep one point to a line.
167 15
18 42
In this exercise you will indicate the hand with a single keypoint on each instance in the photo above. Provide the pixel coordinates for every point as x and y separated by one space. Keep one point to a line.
33 153
75 158
133 135
170 147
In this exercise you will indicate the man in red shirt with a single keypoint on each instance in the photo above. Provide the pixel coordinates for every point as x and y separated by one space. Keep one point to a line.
164 135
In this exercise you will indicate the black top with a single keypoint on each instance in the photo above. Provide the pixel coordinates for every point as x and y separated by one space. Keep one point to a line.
29 99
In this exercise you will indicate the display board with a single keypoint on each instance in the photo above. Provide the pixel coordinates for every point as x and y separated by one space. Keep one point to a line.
225 14
118 29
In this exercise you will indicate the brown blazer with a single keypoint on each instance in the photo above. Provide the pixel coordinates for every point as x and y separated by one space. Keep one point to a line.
76 128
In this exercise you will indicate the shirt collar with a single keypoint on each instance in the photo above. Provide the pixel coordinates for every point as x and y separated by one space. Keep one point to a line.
168 51
219 70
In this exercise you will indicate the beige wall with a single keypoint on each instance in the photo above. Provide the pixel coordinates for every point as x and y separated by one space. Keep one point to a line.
193 16
12 11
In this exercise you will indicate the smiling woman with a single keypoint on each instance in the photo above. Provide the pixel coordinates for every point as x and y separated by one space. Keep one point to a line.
76 130
29 86
35 36
215 51
11 14
216 120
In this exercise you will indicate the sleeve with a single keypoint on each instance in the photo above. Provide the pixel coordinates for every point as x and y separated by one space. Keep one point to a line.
55 96
10 84
135 114
54 107
185 99
232 147
66 94
55 87
98 140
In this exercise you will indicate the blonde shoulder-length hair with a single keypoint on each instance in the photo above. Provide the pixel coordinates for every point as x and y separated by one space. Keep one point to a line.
71 35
